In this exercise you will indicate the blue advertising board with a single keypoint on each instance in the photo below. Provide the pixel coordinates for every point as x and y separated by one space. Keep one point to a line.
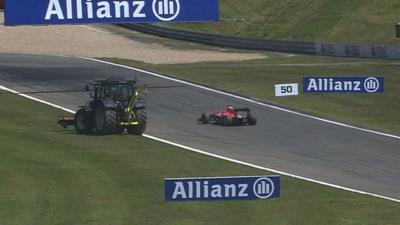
44 12
222 188
343 85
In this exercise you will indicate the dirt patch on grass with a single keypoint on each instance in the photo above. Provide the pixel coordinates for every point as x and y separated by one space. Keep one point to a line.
95 41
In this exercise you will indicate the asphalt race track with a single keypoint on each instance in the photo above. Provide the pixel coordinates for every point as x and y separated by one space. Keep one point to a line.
281 140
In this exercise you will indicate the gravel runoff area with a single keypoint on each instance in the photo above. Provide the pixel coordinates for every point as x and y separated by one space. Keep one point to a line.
92 41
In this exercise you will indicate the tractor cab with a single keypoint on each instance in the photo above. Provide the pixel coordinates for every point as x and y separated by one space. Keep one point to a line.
115 90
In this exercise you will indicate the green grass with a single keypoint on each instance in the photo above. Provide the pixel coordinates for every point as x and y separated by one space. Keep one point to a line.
257 78
53 176
365 21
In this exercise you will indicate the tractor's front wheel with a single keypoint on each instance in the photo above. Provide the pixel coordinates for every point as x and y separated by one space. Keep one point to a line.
82 122
141 118
105 120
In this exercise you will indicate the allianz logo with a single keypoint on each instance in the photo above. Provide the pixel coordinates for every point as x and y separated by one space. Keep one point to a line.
164 10
370 84
262 188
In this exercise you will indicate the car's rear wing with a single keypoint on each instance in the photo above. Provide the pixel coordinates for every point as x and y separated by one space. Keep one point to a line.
246 109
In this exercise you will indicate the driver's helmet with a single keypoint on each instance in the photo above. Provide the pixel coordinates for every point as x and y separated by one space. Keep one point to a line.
230 109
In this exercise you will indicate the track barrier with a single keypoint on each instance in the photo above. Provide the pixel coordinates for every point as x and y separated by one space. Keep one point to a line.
297 47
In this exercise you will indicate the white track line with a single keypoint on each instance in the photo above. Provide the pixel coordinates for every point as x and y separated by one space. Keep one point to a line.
36 99
215 155
246 99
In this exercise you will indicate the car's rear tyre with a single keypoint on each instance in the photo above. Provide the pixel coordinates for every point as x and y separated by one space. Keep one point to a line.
82 122
105 121
139 129
227 121
251 119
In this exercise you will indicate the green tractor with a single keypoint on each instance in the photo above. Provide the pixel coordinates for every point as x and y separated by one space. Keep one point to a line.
116 106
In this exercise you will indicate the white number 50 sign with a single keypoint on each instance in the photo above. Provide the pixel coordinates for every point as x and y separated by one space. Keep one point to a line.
286 89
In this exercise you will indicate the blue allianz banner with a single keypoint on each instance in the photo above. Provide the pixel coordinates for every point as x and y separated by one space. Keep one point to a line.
222 188
36 12
343 84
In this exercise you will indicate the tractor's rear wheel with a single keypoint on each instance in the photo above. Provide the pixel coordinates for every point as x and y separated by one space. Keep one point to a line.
82 122
105 121
141 118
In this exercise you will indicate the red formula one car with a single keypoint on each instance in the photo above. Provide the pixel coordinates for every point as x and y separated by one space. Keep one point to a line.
229 117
